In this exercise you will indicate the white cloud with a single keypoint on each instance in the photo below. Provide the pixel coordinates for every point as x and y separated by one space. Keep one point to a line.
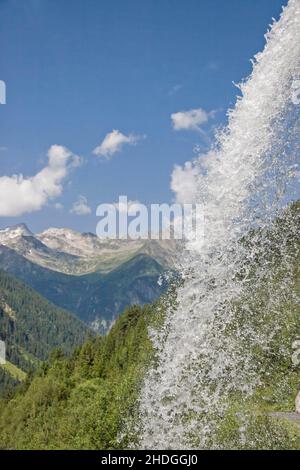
21 194
113 143
192 119
184 183
81 207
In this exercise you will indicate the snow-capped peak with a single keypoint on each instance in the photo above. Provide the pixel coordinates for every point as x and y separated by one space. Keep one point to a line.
59 232
15 231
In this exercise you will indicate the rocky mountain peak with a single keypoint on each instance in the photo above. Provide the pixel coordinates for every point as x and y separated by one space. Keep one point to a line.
15 231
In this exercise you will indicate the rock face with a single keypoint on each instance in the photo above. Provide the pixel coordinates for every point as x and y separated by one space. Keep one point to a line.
298 403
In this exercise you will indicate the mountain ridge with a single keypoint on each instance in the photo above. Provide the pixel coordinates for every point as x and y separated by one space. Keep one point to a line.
94 278
71 252
93 297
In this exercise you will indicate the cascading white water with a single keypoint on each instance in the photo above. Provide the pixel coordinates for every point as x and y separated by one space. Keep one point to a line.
242 185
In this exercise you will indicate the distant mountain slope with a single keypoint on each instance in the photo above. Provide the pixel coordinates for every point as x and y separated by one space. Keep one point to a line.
71 252
32 327
105 254
24 242
135 282
96 298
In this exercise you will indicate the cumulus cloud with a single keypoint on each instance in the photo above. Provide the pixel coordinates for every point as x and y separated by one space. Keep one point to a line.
184 183
81 207
113 143
190 120
20 194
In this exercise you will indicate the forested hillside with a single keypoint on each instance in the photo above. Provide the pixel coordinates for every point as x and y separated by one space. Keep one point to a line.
92 277
98 386
31 328
97 298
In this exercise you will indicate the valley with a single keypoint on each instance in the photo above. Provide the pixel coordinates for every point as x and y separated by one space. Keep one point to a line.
93 278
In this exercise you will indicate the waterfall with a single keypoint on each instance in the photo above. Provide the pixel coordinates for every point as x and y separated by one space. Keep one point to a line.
203 354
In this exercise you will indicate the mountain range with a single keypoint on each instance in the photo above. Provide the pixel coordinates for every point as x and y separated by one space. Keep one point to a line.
91 399
94 278
70 252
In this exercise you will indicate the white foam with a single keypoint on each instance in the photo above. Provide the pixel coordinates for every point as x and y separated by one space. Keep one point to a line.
242 184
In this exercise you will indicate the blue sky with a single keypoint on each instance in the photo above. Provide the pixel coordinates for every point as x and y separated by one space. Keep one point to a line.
75 70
